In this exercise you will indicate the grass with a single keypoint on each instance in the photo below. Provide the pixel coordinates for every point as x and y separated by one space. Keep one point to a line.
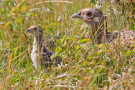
85 66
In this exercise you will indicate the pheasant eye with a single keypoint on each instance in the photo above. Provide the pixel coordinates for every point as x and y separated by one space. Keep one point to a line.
89 14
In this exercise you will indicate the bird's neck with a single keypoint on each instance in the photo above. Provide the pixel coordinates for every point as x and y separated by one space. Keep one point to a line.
38 51
37 44
98 30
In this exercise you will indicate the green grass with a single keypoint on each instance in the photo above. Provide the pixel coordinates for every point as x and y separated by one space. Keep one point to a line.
85 65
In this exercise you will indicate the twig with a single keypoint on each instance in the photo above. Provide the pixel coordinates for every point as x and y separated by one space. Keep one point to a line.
48 2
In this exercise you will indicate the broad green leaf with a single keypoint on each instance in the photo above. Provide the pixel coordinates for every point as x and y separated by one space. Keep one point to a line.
83 41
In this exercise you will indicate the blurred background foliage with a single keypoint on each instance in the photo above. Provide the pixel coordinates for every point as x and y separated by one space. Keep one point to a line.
85 65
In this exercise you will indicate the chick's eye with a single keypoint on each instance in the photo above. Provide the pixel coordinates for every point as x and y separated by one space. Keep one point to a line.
35 28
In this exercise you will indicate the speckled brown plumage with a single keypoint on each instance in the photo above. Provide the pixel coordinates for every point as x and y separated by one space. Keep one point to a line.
97 23
40 55
50 42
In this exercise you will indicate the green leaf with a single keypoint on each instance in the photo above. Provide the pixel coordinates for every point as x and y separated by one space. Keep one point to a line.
55 24
83 41
128 52
100 45
63 39
93 1
72 38
7 24
34 15
2 36
58 49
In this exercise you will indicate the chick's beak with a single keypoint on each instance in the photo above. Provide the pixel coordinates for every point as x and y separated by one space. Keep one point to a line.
28 30
77 15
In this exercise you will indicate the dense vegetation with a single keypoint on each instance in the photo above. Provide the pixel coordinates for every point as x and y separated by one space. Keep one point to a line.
84 66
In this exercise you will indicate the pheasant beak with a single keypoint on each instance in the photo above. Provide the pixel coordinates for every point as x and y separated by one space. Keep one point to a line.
77 15
28 30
